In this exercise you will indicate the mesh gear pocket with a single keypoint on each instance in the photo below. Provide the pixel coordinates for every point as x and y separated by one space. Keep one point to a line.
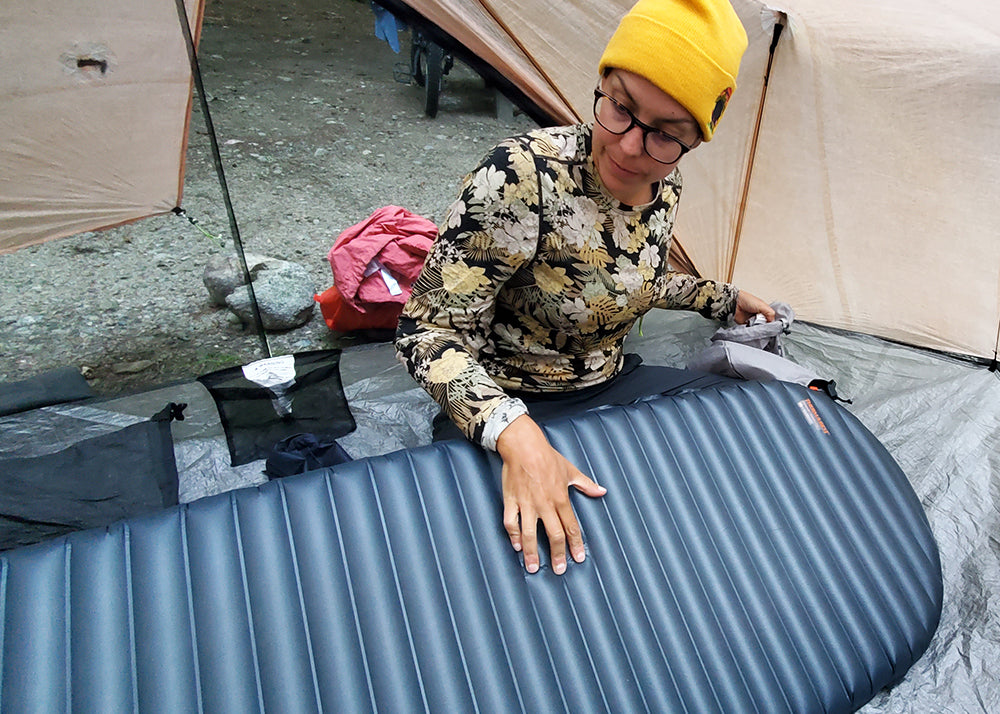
256 417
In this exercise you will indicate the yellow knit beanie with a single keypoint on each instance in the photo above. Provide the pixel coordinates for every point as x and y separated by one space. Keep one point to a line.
691 49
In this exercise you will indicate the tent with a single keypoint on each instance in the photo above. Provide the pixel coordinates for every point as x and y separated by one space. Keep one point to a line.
94 115
863 130
827 208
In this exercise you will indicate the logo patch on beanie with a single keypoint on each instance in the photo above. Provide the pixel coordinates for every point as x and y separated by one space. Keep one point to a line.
720 106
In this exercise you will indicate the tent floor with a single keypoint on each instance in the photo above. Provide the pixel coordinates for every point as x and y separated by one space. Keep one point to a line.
939 418
757 548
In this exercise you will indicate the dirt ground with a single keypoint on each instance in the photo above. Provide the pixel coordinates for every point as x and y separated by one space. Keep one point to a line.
316 131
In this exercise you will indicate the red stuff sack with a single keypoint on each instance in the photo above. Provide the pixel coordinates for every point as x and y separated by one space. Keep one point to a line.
375 263
341 317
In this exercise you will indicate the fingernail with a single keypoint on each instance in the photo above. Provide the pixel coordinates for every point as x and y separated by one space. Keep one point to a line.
532 567
580 557
559 568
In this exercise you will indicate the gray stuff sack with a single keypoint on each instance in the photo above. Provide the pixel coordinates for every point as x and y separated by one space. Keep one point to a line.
754 351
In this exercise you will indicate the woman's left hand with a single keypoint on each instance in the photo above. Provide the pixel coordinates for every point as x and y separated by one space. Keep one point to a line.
748 305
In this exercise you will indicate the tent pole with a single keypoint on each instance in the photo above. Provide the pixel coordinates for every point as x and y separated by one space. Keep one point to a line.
679 258
217 160
781 19
503 25
995 365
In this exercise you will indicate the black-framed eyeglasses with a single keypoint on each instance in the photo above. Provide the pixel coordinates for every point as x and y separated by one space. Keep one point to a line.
613 116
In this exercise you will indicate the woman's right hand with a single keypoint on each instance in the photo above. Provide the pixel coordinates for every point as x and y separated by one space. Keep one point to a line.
536 480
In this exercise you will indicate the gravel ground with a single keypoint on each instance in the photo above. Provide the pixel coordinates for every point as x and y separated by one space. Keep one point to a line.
316 132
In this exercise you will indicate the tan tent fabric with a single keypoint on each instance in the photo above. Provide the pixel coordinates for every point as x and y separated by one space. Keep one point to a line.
483 29
94 114
871 203
872 197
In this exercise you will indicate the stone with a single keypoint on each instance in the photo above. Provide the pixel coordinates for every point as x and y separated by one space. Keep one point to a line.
223 274
132 367
284 293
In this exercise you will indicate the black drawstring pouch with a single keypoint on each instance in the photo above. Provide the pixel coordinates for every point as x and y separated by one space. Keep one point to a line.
265 402
106 468
303 452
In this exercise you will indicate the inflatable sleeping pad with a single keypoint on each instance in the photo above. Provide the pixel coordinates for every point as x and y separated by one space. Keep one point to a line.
758 550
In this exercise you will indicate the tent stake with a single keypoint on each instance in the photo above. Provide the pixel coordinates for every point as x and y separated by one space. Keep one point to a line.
780 21
217 160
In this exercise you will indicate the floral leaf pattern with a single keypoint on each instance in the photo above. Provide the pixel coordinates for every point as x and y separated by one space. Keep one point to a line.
537 276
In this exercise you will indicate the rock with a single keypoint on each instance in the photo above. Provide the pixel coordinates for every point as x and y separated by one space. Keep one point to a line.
132 367
223 274
283 289
284 293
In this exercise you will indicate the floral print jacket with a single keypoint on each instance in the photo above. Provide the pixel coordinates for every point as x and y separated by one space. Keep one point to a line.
536 278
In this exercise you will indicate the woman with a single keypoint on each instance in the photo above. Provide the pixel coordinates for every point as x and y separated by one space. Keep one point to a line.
556 245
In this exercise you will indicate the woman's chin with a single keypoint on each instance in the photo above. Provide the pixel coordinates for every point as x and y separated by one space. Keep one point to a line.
631 193
625 186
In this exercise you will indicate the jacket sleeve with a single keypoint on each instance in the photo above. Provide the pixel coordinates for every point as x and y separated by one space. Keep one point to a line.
489 232
710 298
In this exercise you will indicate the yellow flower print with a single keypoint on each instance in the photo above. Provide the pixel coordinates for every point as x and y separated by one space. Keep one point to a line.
447 367
705 293
563 143
640 236
460 278
551 279
523 164
553 144
520 192
563 183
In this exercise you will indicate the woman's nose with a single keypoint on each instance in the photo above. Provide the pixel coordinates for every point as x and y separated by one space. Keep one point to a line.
631 141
